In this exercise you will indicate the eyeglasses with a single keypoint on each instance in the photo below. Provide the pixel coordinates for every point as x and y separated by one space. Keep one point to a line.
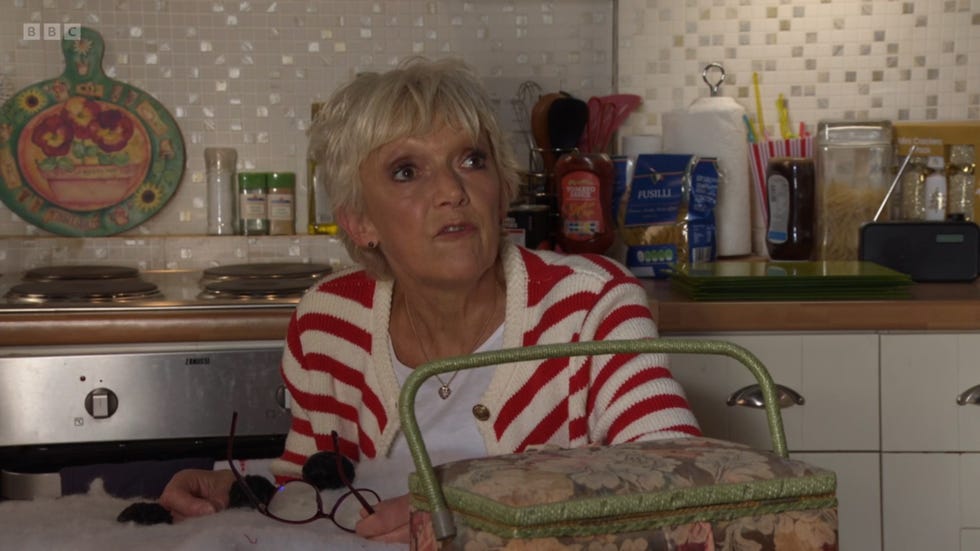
299 502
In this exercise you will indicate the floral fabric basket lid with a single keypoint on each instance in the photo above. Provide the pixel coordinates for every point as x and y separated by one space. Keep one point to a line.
83 154
636 488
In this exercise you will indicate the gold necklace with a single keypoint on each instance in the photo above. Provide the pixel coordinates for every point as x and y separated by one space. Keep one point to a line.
444 390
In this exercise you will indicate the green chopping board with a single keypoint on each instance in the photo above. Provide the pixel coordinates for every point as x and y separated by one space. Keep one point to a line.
774 280
85 155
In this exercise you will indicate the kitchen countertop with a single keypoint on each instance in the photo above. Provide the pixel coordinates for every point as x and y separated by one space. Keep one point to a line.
932 307
142 326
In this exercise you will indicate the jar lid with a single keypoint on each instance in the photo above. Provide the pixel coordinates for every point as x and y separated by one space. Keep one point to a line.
220 158
251 180
935 162
854 132
281 180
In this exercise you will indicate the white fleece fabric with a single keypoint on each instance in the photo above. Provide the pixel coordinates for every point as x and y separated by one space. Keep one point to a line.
87 522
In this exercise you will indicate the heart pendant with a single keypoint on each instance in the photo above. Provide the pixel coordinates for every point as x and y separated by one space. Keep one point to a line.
444 392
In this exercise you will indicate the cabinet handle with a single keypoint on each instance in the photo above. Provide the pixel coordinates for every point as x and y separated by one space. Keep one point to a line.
969 396
751 396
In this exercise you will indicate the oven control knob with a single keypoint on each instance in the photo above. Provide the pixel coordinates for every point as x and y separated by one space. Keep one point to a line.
101 403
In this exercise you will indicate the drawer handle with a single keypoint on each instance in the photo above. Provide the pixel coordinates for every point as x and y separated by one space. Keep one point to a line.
751 397
969 396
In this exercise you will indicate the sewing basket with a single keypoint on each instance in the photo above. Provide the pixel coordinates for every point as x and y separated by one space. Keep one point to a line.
683 493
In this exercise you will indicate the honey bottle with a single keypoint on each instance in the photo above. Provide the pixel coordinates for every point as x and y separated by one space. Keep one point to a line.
791 195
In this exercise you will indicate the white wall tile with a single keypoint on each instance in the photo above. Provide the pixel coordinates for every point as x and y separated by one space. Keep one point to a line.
243 73
850 40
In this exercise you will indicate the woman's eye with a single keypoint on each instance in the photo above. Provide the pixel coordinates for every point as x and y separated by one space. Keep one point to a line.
404 173
477 159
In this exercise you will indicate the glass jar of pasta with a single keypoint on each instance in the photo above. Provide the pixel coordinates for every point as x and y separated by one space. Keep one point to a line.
853 173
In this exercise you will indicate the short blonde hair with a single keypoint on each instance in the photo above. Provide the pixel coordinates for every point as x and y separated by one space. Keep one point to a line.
375 109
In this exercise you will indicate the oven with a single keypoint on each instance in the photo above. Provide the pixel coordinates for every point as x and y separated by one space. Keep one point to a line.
103 368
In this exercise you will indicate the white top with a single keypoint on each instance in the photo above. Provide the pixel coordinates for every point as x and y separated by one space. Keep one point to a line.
448 425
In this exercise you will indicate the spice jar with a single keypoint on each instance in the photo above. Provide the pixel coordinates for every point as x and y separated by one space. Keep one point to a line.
280 202
853 172
251 204
220 167
790 194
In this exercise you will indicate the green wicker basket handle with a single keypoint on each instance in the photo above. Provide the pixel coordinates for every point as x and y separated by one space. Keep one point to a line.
441 517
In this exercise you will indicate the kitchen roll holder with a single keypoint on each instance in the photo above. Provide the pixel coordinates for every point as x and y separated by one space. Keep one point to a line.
714 87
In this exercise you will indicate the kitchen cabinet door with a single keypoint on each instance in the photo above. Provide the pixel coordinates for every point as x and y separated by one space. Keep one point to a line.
969 540
921 500
836 374
708 382
858 496
921 377
836 428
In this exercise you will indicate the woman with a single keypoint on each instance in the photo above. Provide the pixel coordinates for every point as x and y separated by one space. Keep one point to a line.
420 178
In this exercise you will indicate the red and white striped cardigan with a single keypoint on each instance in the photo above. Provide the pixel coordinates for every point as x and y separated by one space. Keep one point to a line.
339 371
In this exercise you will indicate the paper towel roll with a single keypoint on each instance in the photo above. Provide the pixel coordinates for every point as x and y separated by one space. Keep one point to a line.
713 127
642 143
759 247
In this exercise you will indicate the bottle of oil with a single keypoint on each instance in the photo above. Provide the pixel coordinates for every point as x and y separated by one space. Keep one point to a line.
320 210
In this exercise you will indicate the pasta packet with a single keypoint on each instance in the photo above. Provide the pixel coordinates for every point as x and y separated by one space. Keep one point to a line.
666 212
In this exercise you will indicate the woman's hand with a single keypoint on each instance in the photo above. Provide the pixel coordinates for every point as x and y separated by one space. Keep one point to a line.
389 523
196 492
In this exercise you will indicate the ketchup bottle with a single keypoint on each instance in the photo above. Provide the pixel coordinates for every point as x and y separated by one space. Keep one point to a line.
584 183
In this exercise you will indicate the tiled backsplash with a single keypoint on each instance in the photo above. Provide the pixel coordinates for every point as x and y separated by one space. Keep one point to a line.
243 74
832 59
168 252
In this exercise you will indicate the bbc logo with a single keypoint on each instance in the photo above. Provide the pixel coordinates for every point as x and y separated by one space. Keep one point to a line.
52 31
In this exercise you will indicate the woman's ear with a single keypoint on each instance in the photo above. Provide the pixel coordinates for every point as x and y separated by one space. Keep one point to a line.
358 227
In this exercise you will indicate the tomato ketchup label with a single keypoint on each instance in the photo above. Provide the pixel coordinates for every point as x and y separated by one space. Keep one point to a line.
581 209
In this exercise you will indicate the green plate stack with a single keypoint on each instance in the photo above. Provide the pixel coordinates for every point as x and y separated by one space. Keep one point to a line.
773 280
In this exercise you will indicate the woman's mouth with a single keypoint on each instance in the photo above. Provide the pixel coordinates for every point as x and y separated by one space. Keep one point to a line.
452 229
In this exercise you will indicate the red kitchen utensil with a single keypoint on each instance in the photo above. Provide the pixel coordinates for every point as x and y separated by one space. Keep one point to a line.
590 137
615 110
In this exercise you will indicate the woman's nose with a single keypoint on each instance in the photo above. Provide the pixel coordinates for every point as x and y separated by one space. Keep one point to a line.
451 187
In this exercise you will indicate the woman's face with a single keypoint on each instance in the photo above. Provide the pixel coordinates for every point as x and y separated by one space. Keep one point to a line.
434 204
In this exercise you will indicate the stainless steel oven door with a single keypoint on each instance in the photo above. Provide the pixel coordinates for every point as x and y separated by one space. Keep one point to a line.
63 395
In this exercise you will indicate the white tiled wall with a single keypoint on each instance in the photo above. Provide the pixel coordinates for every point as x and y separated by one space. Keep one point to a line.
832 59
174 252
243 73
